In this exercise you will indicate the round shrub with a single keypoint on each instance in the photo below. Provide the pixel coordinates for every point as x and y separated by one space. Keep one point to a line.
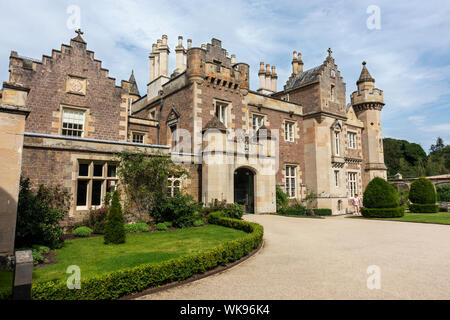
161 227
233 211
422 192
380 194
82 232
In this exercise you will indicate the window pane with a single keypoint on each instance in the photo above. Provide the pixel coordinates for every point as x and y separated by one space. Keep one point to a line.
111 186
82 193
96 192
98 170
83 170
112 171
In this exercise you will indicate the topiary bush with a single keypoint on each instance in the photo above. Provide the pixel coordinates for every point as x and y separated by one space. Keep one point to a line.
423 208
381 200
82 232
114 229
423 197
422 192
136 227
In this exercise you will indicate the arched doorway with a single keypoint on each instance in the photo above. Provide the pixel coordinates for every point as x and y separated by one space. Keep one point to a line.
244 189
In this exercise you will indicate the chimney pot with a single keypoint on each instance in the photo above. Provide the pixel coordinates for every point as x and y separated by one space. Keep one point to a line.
189 43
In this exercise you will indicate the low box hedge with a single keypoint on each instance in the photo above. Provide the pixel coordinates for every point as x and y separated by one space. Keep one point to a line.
383 212
124 282
423 208
323 212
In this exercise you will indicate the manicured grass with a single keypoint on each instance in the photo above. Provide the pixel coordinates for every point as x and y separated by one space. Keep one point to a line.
6 280
436 218
95 258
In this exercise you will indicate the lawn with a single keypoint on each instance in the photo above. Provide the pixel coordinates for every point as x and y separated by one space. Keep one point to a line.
95 258
436 218
6 280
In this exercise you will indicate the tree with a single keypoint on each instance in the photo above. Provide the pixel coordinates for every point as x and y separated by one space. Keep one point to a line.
114 229
39 215
439 146
145 179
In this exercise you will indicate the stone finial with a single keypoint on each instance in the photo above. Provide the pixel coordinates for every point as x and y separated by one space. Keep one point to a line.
329 52
365 75
78 38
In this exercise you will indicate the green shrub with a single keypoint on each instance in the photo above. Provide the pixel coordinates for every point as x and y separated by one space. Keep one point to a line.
120 283
198 223
422 192
181 209
39 215
114 229
282 200
161 227
383 212
443 193
423 208
38 253
97 220
323 212
233 211
403 197
380 194
136 227
168 224
82 232
294 210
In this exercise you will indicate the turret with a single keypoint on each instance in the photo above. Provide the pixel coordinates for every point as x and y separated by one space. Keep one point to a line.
368 103
196 64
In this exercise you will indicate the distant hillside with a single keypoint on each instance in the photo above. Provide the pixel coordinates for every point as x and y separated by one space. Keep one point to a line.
411 160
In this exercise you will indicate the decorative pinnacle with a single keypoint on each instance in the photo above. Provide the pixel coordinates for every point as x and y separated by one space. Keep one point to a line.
80 33
329 52
364 63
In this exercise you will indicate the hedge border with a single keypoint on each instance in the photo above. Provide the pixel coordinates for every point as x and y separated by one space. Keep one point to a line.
423 208
120 283
383 212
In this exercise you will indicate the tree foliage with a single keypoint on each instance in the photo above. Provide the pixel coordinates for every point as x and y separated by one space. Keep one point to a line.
39 215
145 179
380 194
410 159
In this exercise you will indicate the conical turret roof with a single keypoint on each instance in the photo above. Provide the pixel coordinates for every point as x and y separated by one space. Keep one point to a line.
365 75
134 88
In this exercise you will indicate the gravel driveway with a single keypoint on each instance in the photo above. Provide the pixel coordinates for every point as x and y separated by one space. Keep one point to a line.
328 258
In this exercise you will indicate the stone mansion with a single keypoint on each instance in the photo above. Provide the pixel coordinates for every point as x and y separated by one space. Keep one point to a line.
78 119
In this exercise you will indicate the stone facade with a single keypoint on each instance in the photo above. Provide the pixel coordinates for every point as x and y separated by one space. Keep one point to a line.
235 142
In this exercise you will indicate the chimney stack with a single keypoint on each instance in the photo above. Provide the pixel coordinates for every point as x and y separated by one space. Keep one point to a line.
189 44
164 52
274 79
300 63
268 85
295 64
262 76
180 56
233 59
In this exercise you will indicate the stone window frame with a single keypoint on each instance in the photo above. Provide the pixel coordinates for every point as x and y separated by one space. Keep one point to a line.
353 146
223 104
85 115
352 191
254 115
333 93
294 127
138 133
173 185
336 131
288 183
90 178
337 178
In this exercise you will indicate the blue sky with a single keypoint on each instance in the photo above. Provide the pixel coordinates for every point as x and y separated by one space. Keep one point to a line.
409 56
